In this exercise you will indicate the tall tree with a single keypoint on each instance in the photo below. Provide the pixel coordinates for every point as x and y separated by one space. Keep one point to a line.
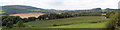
4 22
53 16
31 18
25 19
112 23
20 23
108 14
43 17
9 24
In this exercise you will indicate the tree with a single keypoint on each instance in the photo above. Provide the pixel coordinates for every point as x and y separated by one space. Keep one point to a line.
4 17
112 12
112 24
4 22
25 19
14 19
9 24
20 24
40 17
53 16
109 13
66 15
119 18
43 17
31 18
76 14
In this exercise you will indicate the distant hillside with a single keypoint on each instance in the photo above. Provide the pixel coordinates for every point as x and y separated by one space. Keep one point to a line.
15 9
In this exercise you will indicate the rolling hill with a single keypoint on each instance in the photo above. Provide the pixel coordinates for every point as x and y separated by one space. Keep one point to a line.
16 9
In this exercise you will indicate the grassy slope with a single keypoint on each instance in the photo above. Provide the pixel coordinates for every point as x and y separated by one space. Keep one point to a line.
84 25
75 22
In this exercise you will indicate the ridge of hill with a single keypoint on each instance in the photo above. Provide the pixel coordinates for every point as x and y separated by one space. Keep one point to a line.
16 9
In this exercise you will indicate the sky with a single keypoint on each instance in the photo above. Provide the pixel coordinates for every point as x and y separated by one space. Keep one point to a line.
64 4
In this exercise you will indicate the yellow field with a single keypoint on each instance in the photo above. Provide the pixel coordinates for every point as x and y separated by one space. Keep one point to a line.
26 15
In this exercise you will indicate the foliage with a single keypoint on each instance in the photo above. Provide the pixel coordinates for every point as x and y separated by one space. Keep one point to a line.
9 24
108 14
20 24
114 21
31 18
48 16
13 19
54 16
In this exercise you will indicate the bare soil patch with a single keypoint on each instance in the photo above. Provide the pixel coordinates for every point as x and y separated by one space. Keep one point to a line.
26 15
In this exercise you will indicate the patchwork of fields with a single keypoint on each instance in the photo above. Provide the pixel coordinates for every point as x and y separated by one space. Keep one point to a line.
74 22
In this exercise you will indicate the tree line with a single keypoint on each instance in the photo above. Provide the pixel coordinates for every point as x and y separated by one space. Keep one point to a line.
114 20
17 21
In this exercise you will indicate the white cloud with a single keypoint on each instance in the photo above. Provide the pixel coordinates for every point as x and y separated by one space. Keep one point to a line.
64 4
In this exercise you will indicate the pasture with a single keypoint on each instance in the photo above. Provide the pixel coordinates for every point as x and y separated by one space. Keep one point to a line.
73 22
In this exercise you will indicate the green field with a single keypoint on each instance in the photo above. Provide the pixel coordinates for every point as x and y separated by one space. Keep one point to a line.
74 22
84 25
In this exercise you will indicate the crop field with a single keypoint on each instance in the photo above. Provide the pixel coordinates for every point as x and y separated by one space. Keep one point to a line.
73 22
26 15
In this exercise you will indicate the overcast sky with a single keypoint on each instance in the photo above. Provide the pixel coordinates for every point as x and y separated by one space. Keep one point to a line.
64 4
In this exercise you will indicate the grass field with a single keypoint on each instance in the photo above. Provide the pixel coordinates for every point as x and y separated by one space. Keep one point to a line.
84 25
74 22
